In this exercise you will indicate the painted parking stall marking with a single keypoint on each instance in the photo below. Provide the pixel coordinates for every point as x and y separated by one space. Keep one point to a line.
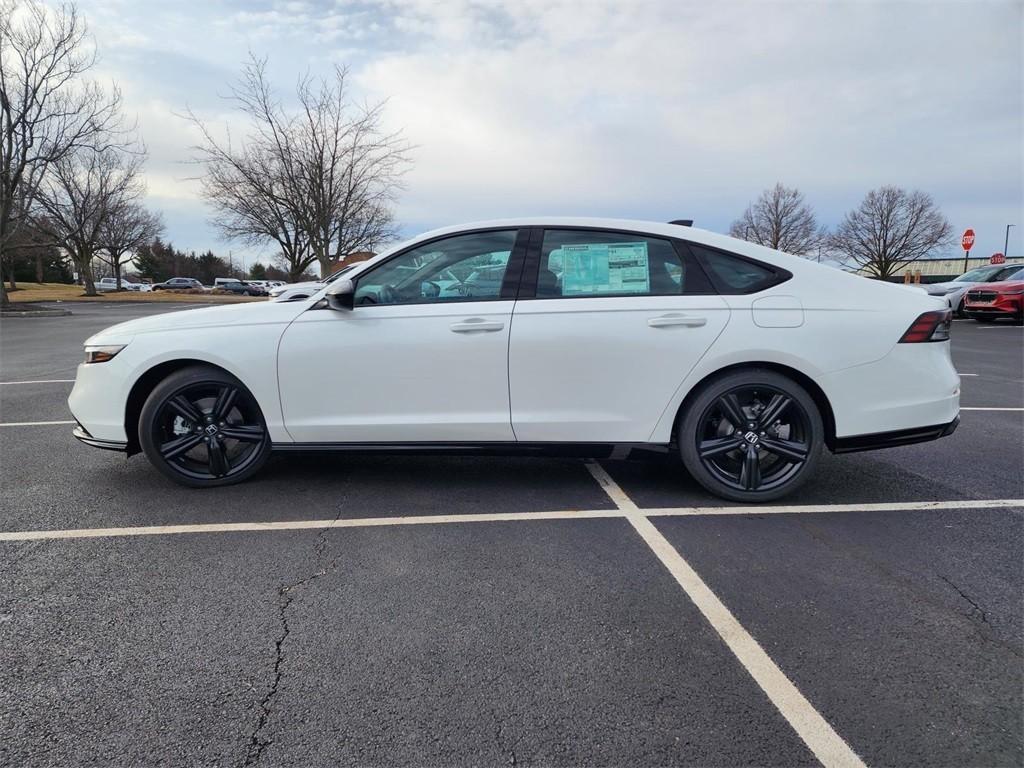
827 745
501 517
33 423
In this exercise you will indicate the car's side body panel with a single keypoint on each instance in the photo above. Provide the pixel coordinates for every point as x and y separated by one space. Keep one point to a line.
398 372
211 335
602 369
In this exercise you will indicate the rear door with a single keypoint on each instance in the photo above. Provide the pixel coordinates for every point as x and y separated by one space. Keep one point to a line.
607 326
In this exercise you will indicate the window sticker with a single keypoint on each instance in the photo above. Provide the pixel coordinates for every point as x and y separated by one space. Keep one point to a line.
604 268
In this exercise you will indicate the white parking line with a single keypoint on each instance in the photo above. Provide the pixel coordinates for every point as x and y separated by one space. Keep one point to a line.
38 381
296 525
827 745
33 423
968 374
962 408
573 514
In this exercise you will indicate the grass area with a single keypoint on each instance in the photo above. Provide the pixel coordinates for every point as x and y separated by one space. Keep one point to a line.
64 292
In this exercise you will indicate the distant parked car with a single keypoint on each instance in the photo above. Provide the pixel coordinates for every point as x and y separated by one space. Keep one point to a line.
296 291
179 283
242 288
955 290
989 302
110 284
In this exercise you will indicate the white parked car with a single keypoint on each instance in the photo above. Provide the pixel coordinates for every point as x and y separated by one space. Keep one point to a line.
296 291
601 333
954 291
110 284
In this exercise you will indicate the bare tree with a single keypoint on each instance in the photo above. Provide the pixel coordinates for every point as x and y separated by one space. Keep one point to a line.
318 181
79 195
48 110
128 227
890 229
781 219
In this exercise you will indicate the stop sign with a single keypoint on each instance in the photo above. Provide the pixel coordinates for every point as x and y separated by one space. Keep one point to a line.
967 241
997 258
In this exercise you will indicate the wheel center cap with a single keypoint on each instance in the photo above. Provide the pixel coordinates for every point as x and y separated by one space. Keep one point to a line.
211 429
752 438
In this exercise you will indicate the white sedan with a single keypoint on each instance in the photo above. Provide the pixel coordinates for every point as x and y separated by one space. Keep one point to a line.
599 334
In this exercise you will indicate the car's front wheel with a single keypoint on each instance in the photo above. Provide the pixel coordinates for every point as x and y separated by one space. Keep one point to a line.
201 427
751 435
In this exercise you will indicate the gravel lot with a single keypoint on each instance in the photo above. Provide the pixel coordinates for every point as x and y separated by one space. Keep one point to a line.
612 631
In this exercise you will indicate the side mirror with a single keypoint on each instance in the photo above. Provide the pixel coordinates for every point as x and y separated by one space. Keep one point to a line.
342 294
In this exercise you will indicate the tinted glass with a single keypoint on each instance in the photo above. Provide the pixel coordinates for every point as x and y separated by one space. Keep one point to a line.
977 275
587 263
732 274
467 267
1007 273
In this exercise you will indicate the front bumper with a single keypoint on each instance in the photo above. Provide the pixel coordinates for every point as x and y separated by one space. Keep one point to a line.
81 433
895 438
1001 308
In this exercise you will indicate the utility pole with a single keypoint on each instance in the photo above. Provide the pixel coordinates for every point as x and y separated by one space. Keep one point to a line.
1006 240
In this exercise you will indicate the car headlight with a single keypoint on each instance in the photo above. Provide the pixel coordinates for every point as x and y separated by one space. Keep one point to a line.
102 353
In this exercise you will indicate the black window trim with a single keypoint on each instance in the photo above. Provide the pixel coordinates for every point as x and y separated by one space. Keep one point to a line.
510 281
531 268
780 275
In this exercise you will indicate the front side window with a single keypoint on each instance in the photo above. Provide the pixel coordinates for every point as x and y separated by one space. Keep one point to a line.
468 267
590 263
734 275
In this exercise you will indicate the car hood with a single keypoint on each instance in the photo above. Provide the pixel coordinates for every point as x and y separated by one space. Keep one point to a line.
1001 286
949 284
256 313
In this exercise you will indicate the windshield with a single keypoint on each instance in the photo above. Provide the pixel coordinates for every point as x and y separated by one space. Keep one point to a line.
977 275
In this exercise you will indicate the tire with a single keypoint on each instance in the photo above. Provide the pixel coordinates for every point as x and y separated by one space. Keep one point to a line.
740 463
182 436
959 311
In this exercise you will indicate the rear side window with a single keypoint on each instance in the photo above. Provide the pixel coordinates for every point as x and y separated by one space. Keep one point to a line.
733 274
593 263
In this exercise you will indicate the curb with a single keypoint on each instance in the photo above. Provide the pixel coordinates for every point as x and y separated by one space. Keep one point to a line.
35 313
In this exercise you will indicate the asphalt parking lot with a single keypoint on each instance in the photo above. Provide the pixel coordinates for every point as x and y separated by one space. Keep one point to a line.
507 611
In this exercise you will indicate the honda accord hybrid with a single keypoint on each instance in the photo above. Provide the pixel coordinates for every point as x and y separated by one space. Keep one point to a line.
564 336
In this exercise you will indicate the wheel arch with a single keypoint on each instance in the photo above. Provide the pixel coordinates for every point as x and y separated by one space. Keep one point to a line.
816 392
145 384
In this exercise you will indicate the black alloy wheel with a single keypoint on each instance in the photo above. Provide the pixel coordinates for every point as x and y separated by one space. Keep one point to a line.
751 436
201 427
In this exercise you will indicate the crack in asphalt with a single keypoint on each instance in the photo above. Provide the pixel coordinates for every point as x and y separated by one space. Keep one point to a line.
968 598
257 743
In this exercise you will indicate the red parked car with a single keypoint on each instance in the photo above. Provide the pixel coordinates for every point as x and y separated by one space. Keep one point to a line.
990 301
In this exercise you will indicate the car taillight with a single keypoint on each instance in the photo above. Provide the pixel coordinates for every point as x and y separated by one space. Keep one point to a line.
931 326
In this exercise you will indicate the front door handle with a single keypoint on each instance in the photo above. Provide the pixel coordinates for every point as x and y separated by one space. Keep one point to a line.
687 321
476 324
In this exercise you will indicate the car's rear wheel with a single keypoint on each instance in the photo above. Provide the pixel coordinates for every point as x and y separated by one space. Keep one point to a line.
751 435
202 428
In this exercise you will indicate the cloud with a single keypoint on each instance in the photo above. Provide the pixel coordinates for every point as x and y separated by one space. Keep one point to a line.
648 109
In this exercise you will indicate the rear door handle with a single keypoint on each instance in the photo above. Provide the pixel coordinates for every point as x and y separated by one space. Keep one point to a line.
687 321
476 324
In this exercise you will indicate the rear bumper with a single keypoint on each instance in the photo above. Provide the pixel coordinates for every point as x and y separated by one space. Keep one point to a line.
893 439
82 434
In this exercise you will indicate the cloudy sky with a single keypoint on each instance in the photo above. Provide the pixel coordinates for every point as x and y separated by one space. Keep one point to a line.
642 109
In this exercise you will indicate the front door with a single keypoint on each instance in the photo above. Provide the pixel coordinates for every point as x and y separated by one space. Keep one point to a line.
423 356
